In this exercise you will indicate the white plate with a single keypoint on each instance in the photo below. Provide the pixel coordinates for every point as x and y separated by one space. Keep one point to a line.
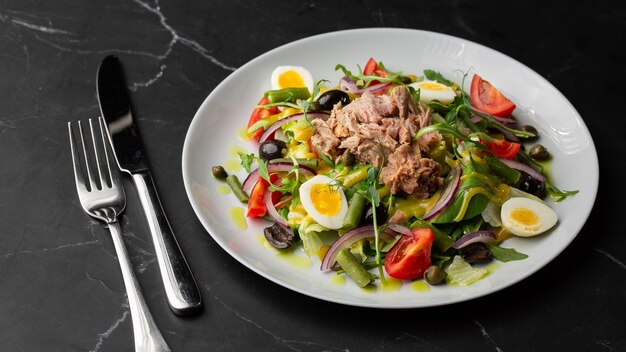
214 132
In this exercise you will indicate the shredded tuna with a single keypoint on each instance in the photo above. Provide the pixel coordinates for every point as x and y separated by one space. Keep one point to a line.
379 130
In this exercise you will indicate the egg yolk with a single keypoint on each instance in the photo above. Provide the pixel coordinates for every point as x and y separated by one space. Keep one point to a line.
526 218
433 86
327 201
290 79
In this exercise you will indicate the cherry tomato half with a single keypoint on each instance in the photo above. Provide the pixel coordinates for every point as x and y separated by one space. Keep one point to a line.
503 149
258 114
488 98
410 256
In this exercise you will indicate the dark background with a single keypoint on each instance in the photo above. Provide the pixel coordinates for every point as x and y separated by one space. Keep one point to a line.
60 287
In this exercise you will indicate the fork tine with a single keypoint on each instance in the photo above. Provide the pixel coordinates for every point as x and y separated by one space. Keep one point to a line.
96 150
92 181
114 174
78 172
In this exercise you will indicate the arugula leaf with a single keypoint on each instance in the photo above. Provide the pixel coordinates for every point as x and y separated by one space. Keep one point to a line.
371 181
505 254
415 94
263 172
436 76
246 160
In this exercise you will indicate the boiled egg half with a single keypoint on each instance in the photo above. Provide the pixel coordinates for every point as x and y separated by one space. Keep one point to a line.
527 217
433 90
292 77
324 201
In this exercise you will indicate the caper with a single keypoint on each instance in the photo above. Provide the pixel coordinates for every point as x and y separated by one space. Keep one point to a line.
531 129
219 172
329 98
348 158
434 275
272 149
539 152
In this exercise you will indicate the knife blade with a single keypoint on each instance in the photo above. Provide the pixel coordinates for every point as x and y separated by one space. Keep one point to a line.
180 286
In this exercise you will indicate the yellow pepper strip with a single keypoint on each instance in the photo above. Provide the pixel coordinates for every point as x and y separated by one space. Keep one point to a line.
383 191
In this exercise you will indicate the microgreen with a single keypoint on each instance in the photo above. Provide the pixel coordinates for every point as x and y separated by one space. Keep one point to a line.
246 160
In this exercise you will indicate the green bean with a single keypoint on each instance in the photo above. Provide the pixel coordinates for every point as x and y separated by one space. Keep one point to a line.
354 213
235 186
310 163
290 95
353 268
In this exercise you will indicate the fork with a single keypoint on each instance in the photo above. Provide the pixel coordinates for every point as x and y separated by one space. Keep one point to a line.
102 196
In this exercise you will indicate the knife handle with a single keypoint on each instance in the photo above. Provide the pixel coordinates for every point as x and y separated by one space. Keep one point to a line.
181 290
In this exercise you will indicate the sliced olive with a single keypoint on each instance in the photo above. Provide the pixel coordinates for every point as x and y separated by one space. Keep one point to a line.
475 253
539 152
329 98
434 275
219 172
279 236
531 129
406 80
532 185
272 149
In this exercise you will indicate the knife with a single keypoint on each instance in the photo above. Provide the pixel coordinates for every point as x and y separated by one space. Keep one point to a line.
180 286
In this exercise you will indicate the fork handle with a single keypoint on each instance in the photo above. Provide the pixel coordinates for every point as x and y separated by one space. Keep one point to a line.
148 338
181 290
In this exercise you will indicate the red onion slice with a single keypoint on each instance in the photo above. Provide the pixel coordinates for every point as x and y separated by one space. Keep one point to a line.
448 193
281 166
478 236
504 120
276 125
348 85
400 229
523 167
377 88
353 236
271 209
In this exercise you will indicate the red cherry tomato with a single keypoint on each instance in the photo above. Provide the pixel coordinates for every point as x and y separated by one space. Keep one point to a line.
256 205
410 256
258 114
370 67
503 149
488 98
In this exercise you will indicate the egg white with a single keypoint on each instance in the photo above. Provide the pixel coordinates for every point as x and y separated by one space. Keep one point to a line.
333 222
306 76
547 218
433 90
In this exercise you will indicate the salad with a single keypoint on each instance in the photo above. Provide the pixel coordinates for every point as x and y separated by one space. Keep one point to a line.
387 174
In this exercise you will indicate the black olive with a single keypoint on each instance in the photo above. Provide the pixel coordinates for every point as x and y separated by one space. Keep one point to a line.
531 129
532 185
314 106
381 215
279 236
539 152
475 253
329 98
272 149
406 80
348 158
219 172
434 275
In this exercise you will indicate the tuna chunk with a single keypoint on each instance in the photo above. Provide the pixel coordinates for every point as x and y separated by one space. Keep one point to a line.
379 130
408 171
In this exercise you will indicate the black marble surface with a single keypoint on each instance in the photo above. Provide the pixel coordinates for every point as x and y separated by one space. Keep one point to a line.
60 286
